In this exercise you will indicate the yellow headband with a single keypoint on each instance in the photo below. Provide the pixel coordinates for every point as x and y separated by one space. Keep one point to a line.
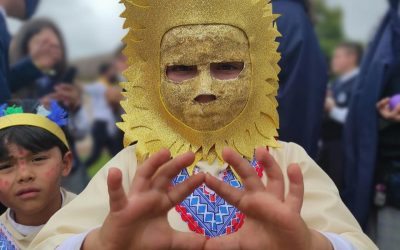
35 120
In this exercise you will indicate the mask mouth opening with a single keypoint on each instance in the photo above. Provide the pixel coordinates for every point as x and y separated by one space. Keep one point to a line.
205 98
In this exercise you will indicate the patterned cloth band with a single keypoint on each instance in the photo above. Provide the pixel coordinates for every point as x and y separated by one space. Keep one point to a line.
6 240
205 212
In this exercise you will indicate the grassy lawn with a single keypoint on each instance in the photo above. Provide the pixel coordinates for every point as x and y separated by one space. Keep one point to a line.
92 170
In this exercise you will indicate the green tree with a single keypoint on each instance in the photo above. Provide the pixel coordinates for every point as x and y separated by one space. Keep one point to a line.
329 25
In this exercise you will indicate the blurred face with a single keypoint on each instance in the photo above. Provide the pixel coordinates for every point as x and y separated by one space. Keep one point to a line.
111 74
121 63
46 46
30 183
206 73
343 61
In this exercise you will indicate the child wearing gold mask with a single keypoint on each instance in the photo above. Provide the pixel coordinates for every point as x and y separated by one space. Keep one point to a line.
204 80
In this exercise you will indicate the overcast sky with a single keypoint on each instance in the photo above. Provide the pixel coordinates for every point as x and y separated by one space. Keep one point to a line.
94 27
361 17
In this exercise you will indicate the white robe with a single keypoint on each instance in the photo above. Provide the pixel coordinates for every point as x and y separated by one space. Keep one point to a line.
322 210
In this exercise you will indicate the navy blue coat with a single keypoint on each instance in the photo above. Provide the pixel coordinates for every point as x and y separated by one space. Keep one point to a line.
303 78
4 44
361 130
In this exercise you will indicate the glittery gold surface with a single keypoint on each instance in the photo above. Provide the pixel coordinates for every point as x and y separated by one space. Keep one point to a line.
203 45
150 123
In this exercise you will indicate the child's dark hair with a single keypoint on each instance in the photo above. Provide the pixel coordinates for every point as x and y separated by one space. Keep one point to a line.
354 48
31 138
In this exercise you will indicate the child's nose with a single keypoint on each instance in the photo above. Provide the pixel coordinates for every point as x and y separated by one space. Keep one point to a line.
24 172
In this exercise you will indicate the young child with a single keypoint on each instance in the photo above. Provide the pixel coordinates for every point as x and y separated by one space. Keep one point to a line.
203 76
34 155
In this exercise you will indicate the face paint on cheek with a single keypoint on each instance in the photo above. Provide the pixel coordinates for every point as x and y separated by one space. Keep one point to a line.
4 185
50 174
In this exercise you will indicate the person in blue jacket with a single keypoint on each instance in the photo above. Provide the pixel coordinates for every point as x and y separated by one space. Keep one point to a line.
303 78
372 142
23 70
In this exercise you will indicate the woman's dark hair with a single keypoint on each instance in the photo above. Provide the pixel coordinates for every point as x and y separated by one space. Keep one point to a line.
20 48
31 138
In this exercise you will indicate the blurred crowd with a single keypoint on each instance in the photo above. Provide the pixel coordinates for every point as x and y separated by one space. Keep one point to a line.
346 116
34 65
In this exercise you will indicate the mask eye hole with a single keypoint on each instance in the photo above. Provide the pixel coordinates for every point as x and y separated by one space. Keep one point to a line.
226 70
180 73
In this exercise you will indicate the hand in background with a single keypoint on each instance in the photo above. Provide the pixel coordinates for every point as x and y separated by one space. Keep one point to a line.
329 102
69 95
114 96
386 112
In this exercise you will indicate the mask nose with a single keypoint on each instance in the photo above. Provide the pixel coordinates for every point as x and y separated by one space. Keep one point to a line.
204 89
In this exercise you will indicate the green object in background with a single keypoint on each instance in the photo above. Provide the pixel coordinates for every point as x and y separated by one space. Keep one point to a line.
13 110
329 26
92 170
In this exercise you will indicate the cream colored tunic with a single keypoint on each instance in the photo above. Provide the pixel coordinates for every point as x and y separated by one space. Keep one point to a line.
23 241
323 209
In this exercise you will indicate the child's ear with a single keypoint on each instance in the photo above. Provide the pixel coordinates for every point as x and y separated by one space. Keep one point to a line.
67 163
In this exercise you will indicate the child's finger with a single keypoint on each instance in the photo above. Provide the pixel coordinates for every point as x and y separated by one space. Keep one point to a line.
296 188
230 194
230 241
276 184
187 241
145 171
150 166
248 175
169 170
116 192
178 193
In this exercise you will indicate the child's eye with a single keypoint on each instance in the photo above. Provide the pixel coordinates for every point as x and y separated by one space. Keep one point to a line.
180 73
39 158
227 66
226 70
181 68
5 165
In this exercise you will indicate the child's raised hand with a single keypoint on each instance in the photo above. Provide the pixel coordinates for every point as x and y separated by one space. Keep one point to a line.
139 220
272 221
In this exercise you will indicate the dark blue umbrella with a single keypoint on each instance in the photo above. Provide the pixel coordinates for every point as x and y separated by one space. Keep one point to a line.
303 78
361 130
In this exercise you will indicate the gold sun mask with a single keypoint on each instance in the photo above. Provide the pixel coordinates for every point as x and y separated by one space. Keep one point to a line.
207 87
199 107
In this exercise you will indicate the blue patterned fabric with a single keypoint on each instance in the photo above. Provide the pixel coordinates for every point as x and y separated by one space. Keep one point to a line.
6 242
206 211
